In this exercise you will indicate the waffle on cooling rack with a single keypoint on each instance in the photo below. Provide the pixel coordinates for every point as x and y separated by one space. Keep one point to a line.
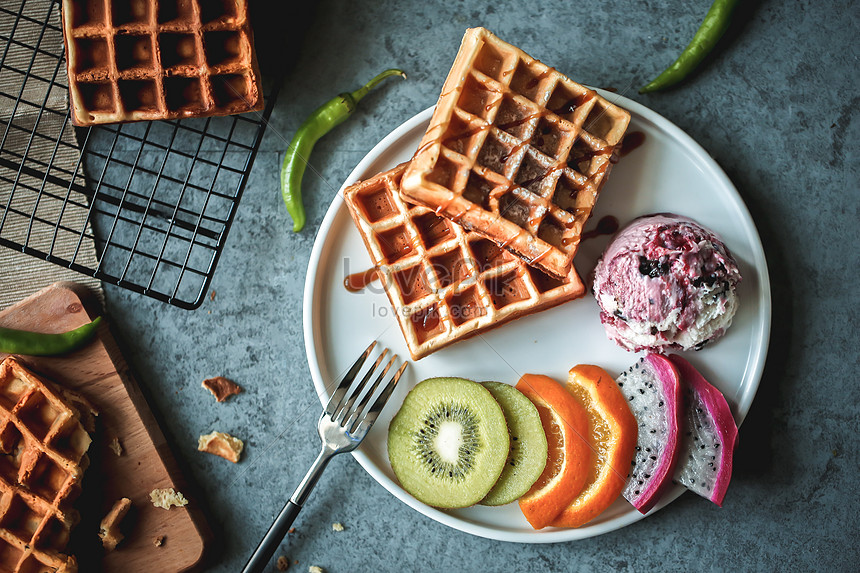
444 283
515 151
43 446
145 60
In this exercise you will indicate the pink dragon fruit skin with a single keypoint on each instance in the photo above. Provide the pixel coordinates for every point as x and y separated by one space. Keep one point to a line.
652 387
708 438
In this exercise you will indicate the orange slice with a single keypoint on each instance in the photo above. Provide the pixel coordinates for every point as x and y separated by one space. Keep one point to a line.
569 460
613 433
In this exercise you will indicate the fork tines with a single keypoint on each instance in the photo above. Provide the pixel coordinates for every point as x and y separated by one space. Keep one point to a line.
341 407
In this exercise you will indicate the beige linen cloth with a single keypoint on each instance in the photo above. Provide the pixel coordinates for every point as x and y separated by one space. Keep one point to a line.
28 216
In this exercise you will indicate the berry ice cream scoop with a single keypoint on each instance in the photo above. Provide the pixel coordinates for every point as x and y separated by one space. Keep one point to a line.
665 282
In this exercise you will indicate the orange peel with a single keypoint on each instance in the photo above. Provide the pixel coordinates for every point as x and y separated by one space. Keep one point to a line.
566 423
613 433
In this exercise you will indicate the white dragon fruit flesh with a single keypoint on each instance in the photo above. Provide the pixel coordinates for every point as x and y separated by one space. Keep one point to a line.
652 389
708 435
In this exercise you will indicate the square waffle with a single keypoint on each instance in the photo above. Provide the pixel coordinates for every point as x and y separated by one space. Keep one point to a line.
43 446
515 151
132 60
444 283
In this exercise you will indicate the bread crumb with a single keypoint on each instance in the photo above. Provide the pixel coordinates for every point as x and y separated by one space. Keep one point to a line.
165 498
115 446
292 530
212 295
158 541
109 527
315 569
222 388
283 563
337 526
221 444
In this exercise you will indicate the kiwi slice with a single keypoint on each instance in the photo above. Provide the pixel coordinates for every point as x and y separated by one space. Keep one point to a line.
449 442
528 453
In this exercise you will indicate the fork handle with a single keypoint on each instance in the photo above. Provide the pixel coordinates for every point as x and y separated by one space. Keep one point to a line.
263 554
267 547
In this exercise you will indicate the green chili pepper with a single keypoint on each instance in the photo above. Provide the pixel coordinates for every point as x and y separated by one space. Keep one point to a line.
38 344
320 122
713 27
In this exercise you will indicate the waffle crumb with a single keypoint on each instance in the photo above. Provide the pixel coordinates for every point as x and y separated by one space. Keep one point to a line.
212 295
109 527
221 444
158 541
165 498
283 563
221 387
115 446
337 526
315 569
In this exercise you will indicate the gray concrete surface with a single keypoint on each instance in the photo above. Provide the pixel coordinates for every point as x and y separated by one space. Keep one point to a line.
777 108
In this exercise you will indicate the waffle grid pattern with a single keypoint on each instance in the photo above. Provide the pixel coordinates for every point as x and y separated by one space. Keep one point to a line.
159 197
444 283
134 60
42 459
515 151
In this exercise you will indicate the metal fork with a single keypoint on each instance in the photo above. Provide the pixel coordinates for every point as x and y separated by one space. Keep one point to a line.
342 427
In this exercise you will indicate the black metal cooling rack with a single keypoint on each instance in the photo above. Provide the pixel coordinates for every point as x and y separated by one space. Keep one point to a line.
157 198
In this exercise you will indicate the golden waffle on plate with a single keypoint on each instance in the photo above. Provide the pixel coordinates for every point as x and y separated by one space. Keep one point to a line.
444 283
146 60
516 152
43 448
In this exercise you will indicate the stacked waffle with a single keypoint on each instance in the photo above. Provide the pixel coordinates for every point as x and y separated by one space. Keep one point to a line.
145 60
43 444
515 151
513 161
444 282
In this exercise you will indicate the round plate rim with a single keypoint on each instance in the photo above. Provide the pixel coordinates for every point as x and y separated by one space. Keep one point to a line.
559 535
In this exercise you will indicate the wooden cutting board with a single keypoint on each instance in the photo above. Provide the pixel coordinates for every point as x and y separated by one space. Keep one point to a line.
99 372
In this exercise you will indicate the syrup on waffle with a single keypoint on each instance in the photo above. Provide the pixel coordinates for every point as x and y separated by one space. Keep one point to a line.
515 151
134 60
444 283
43 446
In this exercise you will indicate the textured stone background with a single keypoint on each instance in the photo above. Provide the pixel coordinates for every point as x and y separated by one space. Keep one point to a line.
777 108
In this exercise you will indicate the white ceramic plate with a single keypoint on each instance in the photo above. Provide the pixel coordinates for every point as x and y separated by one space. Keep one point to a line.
669 172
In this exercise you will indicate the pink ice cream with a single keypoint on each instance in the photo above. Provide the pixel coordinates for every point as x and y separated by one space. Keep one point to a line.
665 282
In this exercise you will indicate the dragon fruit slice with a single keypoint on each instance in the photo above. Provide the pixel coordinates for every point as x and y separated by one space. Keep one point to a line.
708 436
652 388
